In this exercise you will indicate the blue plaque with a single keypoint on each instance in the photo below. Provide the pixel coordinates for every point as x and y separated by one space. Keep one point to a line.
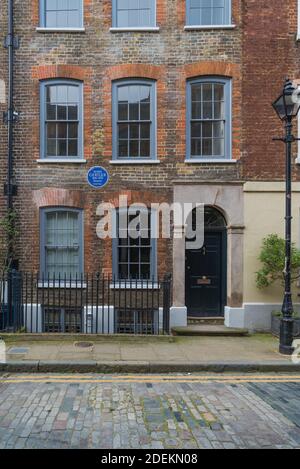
97 177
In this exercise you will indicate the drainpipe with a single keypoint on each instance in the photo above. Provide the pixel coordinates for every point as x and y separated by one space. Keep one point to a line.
10 117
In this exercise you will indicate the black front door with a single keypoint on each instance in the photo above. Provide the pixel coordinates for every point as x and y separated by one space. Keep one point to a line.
206 276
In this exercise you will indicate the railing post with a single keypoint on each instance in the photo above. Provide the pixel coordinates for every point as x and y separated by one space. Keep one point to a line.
166 303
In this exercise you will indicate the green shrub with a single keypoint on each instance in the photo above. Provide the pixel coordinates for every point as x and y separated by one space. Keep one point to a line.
272 257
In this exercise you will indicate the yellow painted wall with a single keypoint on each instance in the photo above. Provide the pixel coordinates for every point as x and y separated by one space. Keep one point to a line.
264 214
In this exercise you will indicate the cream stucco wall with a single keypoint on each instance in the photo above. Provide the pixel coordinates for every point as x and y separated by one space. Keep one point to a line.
264 205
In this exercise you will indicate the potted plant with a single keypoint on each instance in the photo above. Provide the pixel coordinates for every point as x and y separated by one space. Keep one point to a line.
272 257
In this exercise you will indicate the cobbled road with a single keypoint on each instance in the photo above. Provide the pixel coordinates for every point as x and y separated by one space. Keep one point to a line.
161 411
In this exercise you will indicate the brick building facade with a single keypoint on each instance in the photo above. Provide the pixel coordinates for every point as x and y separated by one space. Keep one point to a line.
252 49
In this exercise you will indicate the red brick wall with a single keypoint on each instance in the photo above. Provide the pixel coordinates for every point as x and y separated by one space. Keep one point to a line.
270 54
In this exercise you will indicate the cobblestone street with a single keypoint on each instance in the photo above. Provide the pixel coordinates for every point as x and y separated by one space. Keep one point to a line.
172 411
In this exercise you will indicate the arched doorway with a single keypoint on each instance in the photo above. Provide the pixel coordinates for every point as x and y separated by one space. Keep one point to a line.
206 268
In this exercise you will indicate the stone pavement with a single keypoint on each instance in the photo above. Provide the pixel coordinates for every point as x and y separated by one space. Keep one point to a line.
256 348
171 411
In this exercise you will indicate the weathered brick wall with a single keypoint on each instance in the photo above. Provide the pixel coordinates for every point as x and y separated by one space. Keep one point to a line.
256 54
270 54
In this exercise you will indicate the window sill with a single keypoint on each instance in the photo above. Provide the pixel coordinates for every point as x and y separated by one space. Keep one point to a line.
132 161
60 30
210 161
150 29
135 285
60 161
211 26
62 284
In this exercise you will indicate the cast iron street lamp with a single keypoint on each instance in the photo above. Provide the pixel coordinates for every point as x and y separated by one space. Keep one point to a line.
287 107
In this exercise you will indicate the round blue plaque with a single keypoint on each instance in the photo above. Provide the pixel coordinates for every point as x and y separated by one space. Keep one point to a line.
97 177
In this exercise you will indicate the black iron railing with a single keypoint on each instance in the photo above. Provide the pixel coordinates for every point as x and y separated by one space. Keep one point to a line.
88 304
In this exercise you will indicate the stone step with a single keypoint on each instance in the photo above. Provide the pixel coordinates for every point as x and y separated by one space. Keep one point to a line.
206 320
209 330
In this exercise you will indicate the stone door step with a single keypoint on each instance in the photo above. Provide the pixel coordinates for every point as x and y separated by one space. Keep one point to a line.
206 320
209 330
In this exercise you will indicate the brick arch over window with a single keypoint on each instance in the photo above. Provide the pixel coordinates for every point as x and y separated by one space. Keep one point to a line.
55 197
66 71
202 69
131 71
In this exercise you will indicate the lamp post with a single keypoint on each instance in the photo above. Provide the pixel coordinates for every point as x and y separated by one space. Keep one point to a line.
287 107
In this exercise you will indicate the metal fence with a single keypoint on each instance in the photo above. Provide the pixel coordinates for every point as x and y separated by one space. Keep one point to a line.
88 304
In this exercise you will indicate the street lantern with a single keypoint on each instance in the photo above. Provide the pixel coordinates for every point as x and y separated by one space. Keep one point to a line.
287 107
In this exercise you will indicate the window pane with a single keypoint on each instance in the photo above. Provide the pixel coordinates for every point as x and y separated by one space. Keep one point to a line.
196 129
145 272
73 130
219 110
134 148
206 16
196 92
145 148
123 148
196 147
123 131
145 111
145 18
62 131
51 112
145 130
51 20
72 113
51 147
134 271
62 147
133 18
218 147
134 131
206 147
51 130
207 129
123 255
133 111
196 110
218 129
73 148
207 110
218 14
145 255
134 255
61 113
207 92
218 92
